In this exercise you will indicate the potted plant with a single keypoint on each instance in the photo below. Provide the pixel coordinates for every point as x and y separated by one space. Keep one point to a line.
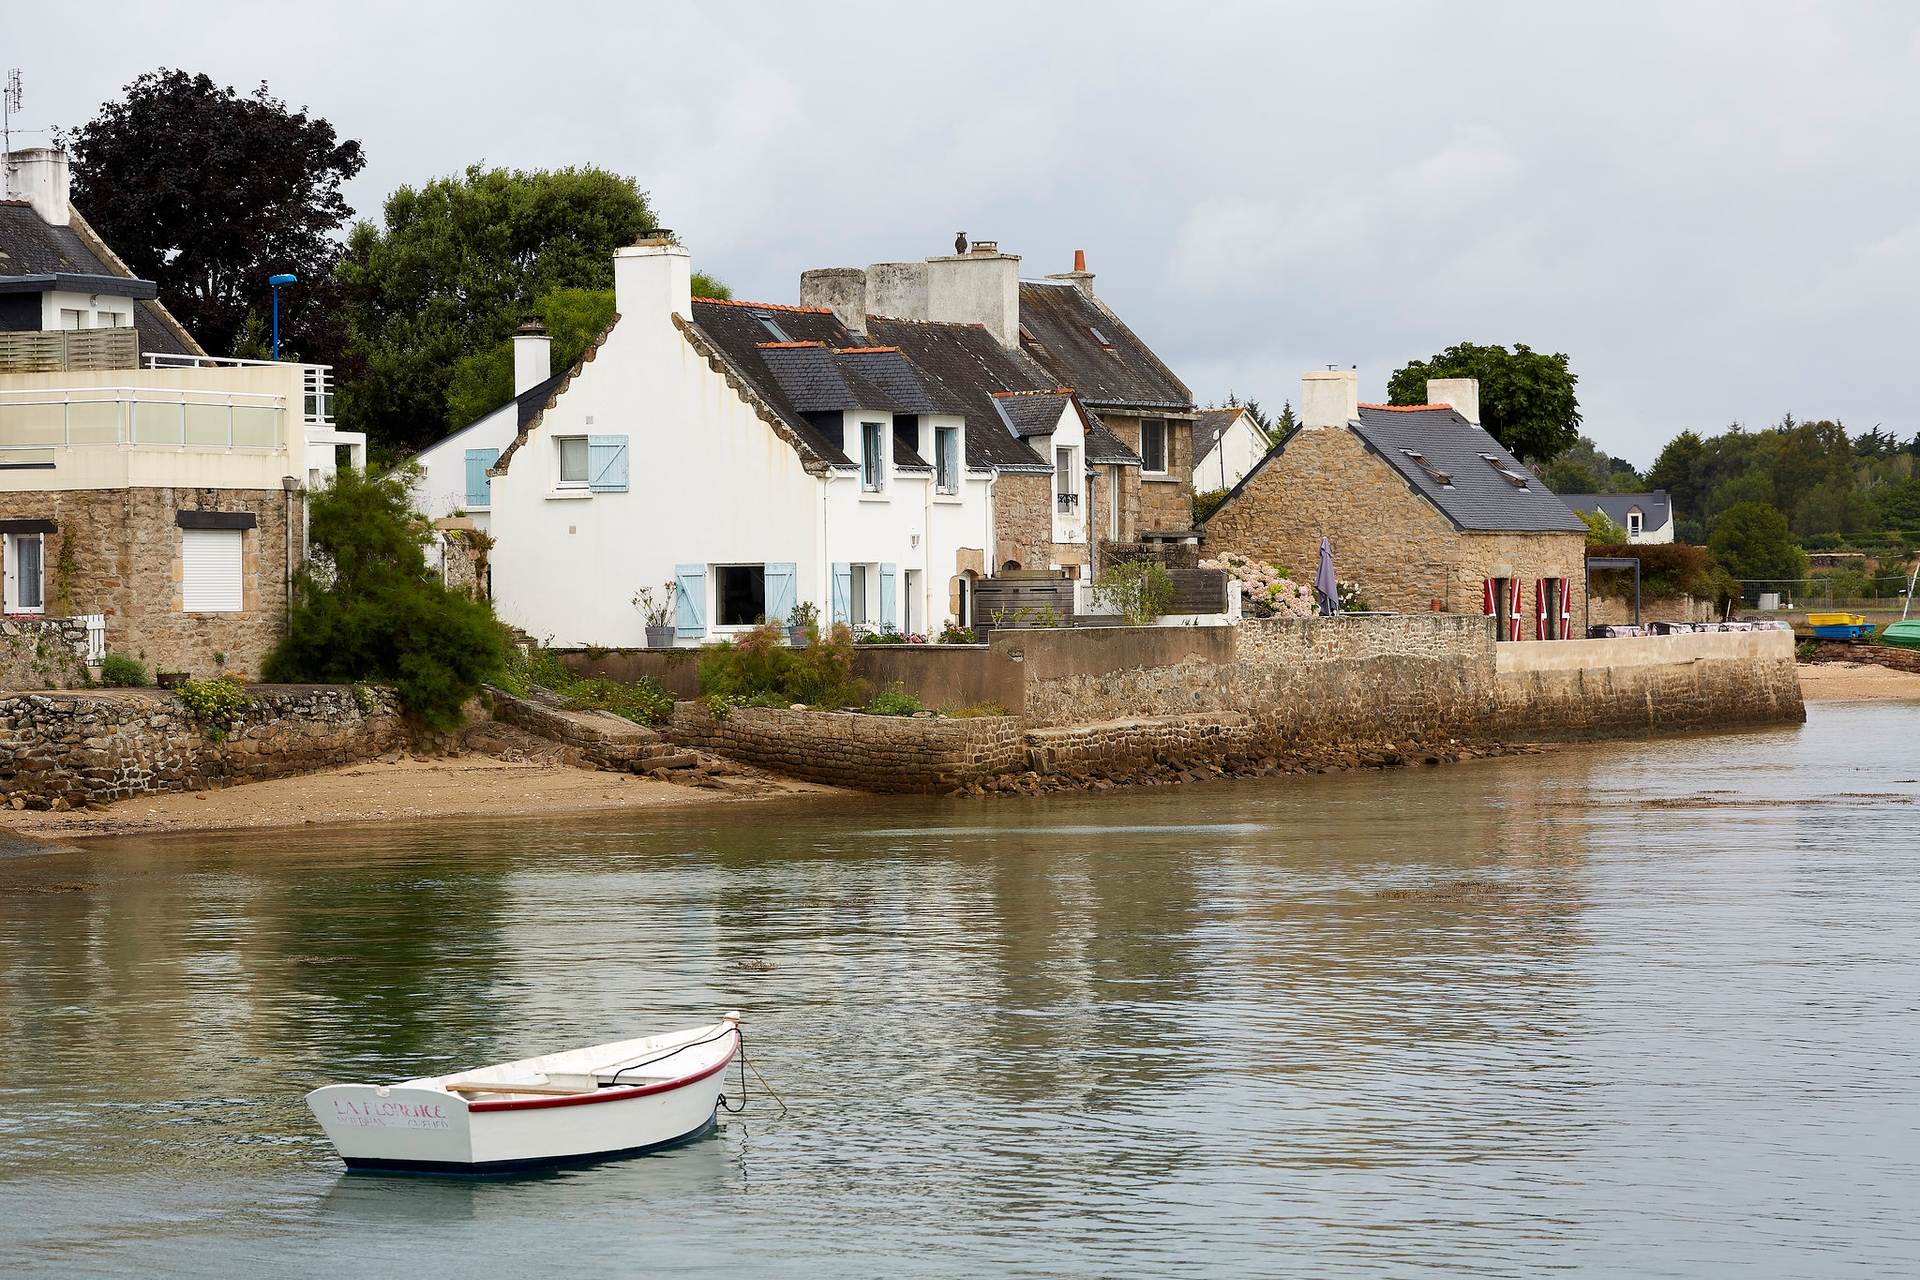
801 623
658 612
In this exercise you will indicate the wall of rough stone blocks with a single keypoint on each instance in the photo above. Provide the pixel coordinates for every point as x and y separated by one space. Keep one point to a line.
1023 520
869 753
1393 542
42 653
1589 689
1619 609
103 746
1165 503
117 552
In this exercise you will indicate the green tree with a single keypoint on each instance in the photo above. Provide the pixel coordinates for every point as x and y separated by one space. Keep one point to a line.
1601 529
208 193
452 271
366 607
1681 471
1751 542
1527 400
1899 504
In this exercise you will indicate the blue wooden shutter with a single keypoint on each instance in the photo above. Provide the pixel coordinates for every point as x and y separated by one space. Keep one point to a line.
842 592
690 601
887 620
607 464
781 581
479 488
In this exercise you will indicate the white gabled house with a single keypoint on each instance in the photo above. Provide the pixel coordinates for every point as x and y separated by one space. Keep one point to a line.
454 470
754 456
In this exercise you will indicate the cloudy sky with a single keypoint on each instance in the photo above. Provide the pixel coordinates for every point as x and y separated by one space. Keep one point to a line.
1712 208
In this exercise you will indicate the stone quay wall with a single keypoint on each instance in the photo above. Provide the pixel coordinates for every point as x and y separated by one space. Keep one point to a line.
869 753
601 737
62 750
1582 689
42 653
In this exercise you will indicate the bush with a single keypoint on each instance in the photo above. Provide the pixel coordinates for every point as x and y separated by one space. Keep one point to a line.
214 703
645 701
1205 504
974 710
893 701
367 608
121 672
1140 589
758 663
953 633
1666 569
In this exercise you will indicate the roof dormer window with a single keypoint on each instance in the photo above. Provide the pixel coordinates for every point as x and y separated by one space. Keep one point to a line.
768 323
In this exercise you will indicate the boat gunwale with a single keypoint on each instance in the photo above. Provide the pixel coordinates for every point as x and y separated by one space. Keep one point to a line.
602 1095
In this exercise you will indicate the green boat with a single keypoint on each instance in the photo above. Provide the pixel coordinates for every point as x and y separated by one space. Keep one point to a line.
1904 634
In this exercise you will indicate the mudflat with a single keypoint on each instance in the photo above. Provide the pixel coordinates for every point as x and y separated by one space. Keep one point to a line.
469 786
1856 682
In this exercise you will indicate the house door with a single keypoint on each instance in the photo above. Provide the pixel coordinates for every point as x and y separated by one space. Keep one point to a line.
1499 606
912 611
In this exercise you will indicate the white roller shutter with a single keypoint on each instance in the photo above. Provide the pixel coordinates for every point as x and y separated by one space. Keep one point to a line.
211 570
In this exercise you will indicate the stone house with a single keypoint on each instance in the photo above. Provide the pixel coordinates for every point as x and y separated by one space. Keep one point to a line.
143 484
1076 342
1421 506
1647 517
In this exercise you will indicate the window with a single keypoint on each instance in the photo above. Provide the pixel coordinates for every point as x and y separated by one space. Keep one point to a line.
1514 478
946 449
1444 479
741 594
25 581
857 596
72 319
873 456
1066 492
772 327
573 459
1153 446
1633 523
1100 337
210 570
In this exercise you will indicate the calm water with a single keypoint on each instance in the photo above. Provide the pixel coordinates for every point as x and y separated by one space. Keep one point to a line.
1643 1008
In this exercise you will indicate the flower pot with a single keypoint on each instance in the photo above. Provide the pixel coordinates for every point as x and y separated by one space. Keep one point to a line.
797 637
659 637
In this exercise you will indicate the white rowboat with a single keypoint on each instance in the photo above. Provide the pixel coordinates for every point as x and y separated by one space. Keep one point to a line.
574 1107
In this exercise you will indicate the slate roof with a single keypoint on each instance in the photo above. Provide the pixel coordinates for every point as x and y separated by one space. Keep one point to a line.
815 380
1106 449
1655 506
889 369
1209 427
30 247
1032 413
736 332
1122 373
1477 493
969 367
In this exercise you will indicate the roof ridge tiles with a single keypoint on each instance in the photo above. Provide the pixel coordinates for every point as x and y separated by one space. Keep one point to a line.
1037 391
764 306
862 351
1406 408
784 346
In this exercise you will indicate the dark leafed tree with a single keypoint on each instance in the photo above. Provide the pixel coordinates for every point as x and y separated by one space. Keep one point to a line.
1527 401
208 193
449 275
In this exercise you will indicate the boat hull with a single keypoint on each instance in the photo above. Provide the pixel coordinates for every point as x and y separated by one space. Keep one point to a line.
423 1127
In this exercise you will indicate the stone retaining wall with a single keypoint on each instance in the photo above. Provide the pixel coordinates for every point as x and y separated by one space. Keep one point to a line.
1582 689
1129 745
601 737
68 749
870 753
42 653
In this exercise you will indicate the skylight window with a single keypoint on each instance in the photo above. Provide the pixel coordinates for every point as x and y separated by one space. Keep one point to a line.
1517 479
1100 337
1026 335
1443 478
767 322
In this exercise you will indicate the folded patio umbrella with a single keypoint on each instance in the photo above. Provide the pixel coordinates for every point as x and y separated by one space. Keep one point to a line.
1325 589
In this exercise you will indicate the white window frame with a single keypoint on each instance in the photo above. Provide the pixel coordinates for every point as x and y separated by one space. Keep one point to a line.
13 604
873 470
858 582
946 459
560 462
1166 447
1635 523
1066 480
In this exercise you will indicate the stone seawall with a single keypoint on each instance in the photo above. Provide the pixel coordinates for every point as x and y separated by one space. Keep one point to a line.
870 753
68 749
1650 684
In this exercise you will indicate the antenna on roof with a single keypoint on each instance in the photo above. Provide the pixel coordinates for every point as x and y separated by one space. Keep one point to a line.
9 103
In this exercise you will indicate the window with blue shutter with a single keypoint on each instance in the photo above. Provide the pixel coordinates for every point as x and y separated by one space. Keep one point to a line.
842 592
607 464
782 581
479 488
690 601
889 621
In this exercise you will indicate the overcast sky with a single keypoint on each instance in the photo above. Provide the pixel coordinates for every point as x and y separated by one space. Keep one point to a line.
1710 207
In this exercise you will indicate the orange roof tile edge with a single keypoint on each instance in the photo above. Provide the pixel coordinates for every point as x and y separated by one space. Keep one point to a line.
861 351
765 306
784 346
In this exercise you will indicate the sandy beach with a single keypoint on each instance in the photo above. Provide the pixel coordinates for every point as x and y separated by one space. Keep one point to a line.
1856 682
466 786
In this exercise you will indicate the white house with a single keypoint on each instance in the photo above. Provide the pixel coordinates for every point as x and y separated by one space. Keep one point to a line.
1647 517
454 471
752 456
1226 445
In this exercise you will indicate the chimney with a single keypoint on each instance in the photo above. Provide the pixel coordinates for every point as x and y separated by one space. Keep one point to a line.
1329 398
841 290
532 356
1080 278
39 176
981 287
652 282
1463 394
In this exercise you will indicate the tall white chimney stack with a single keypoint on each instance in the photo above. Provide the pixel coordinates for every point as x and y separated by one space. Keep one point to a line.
1329 398
532 357
1461 394
39 176
653 282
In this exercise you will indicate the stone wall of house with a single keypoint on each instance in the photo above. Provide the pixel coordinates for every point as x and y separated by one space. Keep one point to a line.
117 552
1404 554
1619 609
1164 502
870 753
42 653
68 749
1023 520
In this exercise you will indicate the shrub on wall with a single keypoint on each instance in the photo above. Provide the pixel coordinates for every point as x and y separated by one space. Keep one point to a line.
368 608
117 671
1142 590
1666 569
759 665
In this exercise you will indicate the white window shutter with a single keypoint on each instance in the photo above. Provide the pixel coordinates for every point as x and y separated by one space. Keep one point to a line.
607 464
210 577
690 601
782 581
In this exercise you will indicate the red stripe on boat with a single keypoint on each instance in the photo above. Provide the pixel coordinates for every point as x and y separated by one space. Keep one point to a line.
610 1095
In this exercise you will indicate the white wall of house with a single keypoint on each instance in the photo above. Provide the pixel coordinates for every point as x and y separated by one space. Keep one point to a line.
60 309
709 485
454 471
1640 526
1237 451
1070 436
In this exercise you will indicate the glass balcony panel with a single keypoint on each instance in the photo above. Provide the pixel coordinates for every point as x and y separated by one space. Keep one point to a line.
33 423
93 422
208 425
158 423
256 427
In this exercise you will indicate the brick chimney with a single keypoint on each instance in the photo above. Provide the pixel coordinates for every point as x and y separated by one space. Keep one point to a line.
1329 398
532 356
1463 394
39 176
1080 278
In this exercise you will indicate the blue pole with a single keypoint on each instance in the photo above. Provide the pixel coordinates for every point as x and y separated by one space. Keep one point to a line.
275 282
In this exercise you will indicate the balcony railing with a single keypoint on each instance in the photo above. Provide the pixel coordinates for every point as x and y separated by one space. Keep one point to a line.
139 416
1066 504
317 410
